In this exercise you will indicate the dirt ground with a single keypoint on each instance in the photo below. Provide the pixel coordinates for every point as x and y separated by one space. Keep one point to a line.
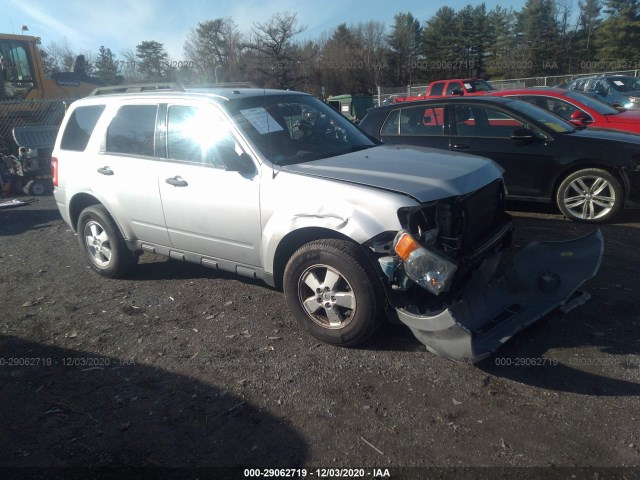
181 366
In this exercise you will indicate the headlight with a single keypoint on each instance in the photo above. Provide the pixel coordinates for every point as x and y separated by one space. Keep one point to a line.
634 99
428 269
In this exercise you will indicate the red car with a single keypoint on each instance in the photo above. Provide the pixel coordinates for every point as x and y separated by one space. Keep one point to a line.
450 88
578 108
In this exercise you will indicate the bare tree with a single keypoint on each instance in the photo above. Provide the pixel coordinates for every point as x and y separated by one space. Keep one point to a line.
276 57
60 56
213 49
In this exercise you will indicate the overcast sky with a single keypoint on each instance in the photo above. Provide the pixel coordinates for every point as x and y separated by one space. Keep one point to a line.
122 24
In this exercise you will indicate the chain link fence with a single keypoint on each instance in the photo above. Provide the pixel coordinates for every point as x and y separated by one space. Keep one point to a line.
23 113
553 81
386 95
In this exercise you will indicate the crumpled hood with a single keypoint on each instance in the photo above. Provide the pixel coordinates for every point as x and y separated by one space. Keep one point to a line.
425 174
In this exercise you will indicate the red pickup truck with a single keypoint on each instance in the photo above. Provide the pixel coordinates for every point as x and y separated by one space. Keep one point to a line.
449 88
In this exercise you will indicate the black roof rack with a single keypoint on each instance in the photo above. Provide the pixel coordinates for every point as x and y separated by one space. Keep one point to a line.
138 87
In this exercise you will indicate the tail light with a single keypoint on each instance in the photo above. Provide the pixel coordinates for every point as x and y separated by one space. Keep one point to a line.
54 170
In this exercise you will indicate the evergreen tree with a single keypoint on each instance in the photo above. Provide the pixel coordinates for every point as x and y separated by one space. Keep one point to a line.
405 45
106 67
152 60
588 22
501 58
539 44
618 38
441 46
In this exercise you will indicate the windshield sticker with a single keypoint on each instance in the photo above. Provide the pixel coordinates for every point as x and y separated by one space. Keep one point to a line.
261 120
468 86
619 83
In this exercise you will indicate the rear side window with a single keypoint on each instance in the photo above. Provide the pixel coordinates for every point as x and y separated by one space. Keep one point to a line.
132 130
80 127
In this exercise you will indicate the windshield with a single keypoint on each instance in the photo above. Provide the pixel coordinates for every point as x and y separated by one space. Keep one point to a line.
549 120
625 84
295 128
594 103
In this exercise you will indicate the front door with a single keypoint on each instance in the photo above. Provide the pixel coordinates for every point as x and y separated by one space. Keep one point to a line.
208 209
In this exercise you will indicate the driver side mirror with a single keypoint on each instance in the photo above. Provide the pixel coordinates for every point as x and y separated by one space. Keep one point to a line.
523 134
579 118
457 91
240 163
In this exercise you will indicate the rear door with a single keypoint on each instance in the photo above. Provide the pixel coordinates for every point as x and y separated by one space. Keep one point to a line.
126 176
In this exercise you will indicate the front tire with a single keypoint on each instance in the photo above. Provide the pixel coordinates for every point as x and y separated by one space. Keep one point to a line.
102 244
591 195
333 292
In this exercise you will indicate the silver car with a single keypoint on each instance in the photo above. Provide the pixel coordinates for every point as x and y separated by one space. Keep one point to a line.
276 185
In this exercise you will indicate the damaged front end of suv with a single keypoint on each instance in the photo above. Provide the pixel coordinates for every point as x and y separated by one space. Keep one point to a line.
447 280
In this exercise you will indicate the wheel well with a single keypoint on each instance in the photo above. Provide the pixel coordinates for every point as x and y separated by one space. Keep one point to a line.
574 168
78 204
292 242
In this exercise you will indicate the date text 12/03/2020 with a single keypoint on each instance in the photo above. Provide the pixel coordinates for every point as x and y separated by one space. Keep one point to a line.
317 472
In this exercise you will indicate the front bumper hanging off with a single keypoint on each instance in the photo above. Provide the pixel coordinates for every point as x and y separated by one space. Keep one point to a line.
542 277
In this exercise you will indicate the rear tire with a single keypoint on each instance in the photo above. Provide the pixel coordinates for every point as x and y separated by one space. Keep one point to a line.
102 244
334 292
591 195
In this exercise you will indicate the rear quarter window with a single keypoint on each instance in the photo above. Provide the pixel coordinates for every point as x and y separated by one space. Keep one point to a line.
80 127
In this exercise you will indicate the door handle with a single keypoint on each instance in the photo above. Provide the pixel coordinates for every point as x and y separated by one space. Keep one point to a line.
177 181
105 171
460 146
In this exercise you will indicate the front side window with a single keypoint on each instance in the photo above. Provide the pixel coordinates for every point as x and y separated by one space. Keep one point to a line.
132 130
80 127
196 135
481 121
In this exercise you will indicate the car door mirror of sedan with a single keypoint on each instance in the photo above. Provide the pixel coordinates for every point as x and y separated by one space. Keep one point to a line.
523 134
579 118
240 163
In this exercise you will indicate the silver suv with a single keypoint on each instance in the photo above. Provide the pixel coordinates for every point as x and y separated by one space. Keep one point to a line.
618 90
277 185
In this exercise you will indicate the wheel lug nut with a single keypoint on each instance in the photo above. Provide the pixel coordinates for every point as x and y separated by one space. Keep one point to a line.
333 299
318 290
327 305
319 299
326 289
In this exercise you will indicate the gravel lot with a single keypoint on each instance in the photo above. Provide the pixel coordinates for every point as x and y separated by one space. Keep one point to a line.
181 366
